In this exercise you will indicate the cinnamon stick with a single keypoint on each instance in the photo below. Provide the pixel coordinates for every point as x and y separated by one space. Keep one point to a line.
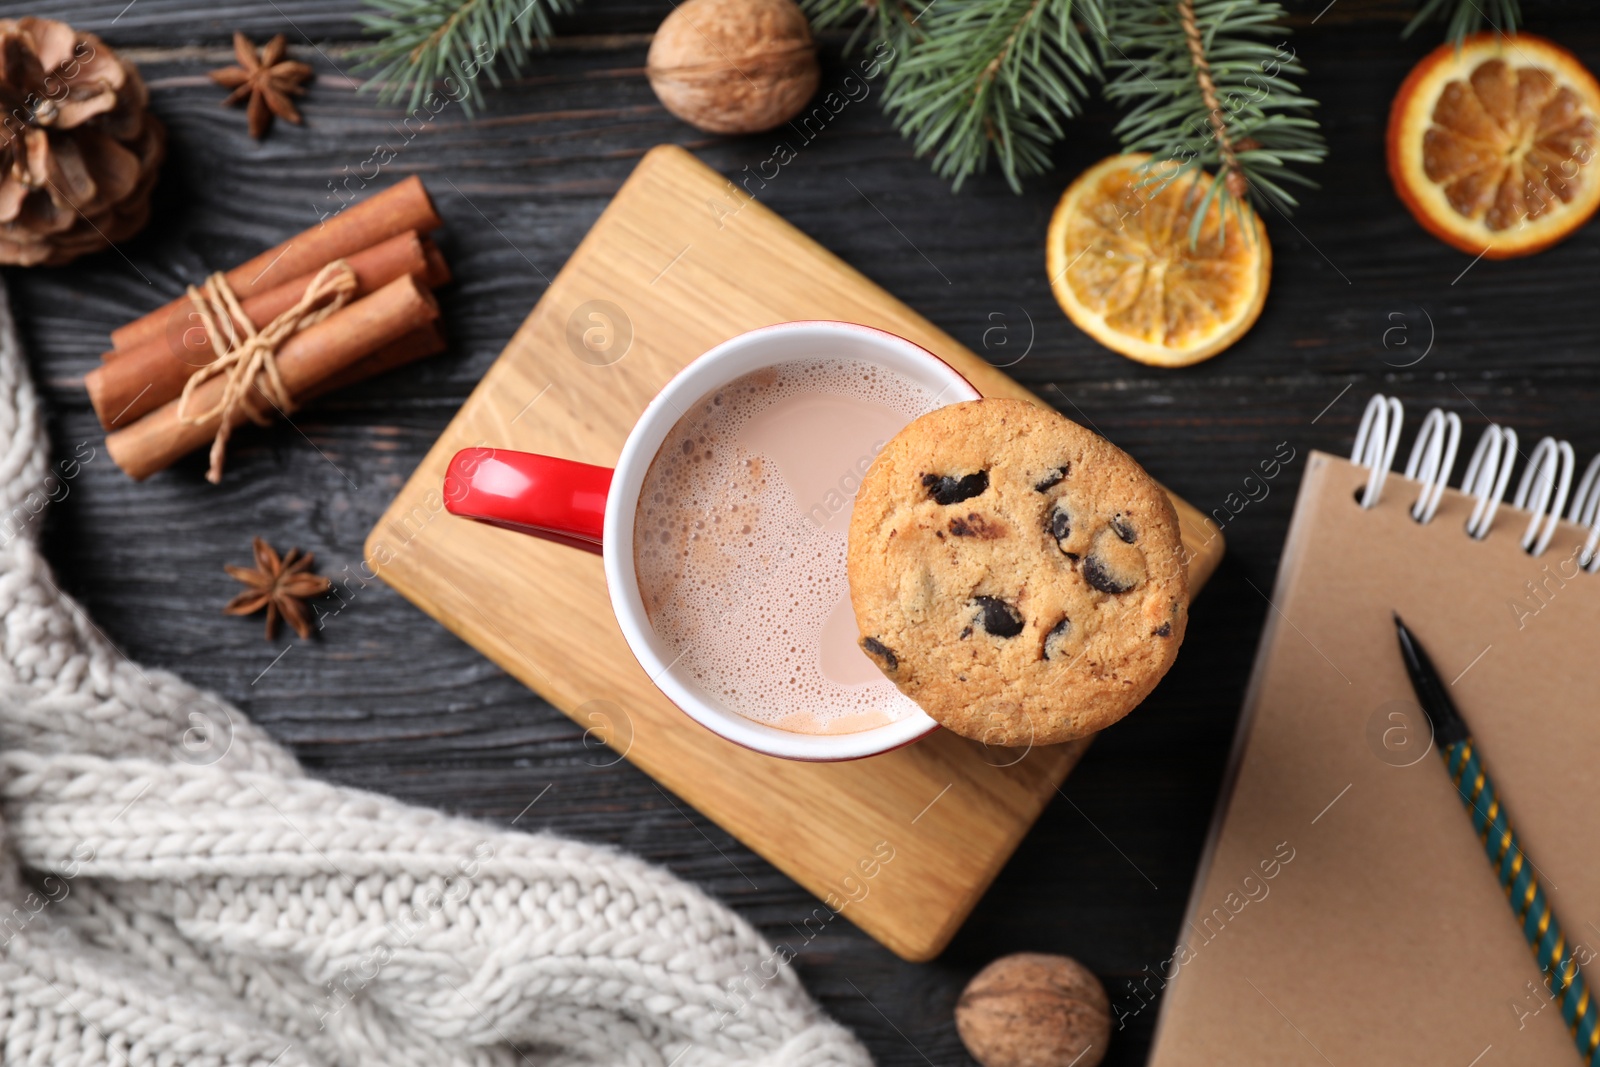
306 359
419 343
139 380
401 207
418 254
438 271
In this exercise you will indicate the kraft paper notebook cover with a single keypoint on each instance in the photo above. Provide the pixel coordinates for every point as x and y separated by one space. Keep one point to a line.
1382 935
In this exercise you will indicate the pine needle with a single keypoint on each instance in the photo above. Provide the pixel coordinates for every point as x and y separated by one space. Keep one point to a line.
975 80
894 21
1260 125
972 82
431 45
1465 17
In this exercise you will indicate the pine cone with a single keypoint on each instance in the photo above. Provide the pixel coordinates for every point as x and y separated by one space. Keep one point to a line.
79 148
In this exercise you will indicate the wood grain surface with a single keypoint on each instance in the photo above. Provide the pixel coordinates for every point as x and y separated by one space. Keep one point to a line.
679 262
385 698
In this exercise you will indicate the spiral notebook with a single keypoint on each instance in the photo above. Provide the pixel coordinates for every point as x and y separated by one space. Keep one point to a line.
1345 913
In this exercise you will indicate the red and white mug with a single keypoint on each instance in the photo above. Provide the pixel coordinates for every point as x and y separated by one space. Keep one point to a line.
592 508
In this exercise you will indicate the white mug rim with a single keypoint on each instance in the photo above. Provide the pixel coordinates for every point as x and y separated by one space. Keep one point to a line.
721 364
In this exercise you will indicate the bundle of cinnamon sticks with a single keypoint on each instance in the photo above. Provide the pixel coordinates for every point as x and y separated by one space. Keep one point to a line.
391 319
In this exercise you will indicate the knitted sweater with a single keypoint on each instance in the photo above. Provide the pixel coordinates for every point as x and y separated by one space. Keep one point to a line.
174 889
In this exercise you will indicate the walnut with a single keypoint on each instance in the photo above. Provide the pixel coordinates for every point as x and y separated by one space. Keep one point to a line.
734 66
1035 1010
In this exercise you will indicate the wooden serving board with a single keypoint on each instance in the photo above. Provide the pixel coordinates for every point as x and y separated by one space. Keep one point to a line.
904 843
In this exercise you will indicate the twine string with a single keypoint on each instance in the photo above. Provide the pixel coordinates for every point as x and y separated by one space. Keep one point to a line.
247 358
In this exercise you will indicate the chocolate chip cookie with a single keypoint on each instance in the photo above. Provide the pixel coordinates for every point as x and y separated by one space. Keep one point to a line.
1020 578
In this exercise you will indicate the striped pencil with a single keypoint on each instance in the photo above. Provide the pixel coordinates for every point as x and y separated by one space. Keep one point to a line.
1516 872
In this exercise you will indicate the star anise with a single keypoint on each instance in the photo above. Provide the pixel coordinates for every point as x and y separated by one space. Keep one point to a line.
282 586
266 79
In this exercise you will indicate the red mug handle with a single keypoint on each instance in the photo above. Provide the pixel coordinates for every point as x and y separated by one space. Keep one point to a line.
557 499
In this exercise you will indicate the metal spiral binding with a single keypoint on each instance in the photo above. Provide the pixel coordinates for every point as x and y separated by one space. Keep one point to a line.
1376 440
1539 480
1433 457
1586 512
1543 489
1488 471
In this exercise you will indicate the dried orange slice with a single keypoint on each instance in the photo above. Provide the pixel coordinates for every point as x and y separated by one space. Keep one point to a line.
1125 271
1492 145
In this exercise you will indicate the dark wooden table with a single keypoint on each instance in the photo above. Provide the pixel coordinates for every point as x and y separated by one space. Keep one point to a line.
386 699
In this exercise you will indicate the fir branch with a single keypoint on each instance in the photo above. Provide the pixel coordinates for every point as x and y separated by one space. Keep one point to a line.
870 21
425 42
1206 87
1464 17
992 78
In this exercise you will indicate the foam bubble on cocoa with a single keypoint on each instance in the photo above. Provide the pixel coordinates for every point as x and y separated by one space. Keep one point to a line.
740 541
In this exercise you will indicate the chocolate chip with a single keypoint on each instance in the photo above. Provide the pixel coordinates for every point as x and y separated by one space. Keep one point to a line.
881 654
1052 479
1123 529
997 617
1060 524
1053 640
1095 573
1164 630
966 632
975 525
947 489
